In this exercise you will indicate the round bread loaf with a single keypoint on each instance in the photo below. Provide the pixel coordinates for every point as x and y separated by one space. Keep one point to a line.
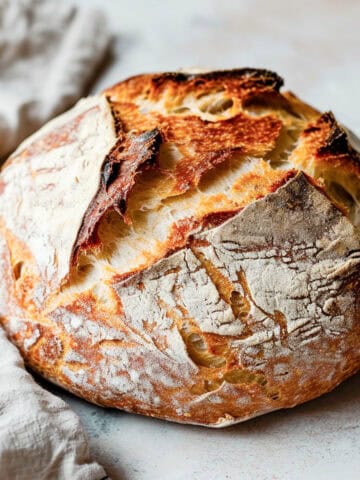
185 246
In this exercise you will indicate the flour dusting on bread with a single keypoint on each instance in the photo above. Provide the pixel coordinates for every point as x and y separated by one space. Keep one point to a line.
186 246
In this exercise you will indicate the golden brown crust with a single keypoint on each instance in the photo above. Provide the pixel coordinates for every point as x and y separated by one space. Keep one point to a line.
203 279
206 142
240 81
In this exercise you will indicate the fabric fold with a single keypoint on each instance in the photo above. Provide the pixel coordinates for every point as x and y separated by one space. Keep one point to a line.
40 436
49 52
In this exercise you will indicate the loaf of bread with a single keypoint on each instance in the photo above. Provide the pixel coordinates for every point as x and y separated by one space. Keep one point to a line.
186 246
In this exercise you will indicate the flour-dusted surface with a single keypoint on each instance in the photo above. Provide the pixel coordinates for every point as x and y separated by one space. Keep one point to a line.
318 440
82 139
250 303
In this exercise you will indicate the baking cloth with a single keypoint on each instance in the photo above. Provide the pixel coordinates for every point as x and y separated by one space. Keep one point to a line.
49 51
40 436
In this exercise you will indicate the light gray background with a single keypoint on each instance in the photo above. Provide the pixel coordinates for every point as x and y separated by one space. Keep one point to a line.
315 46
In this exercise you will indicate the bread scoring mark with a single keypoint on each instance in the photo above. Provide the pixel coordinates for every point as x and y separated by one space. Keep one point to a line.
271 134
129 156
175 188
181 216
259 180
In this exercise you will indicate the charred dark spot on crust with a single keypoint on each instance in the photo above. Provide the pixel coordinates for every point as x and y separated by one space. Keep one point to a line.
336 144
311 129
130 155
110 172
122 206
337 141
327 141
260 77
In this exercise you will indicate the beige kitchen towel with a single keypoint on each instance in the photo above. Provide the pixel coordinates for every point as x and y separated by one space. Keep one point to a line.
40 437
49 50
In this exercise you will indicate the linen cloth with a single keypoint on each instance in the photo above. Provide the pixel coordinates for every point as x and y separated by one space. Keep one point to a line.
48 53
49 50
41 438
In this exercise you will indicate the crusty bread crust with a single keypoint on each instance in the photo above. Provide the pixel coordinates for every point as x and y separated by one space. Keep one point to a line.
185 246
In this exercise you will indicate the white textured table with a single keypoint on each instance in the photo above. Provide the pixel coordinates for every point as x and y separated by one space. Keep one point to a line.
314 45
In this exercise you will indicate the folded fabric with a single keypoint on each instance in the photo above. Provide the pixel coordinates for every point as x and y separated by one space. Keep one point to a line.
40 437
49 51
